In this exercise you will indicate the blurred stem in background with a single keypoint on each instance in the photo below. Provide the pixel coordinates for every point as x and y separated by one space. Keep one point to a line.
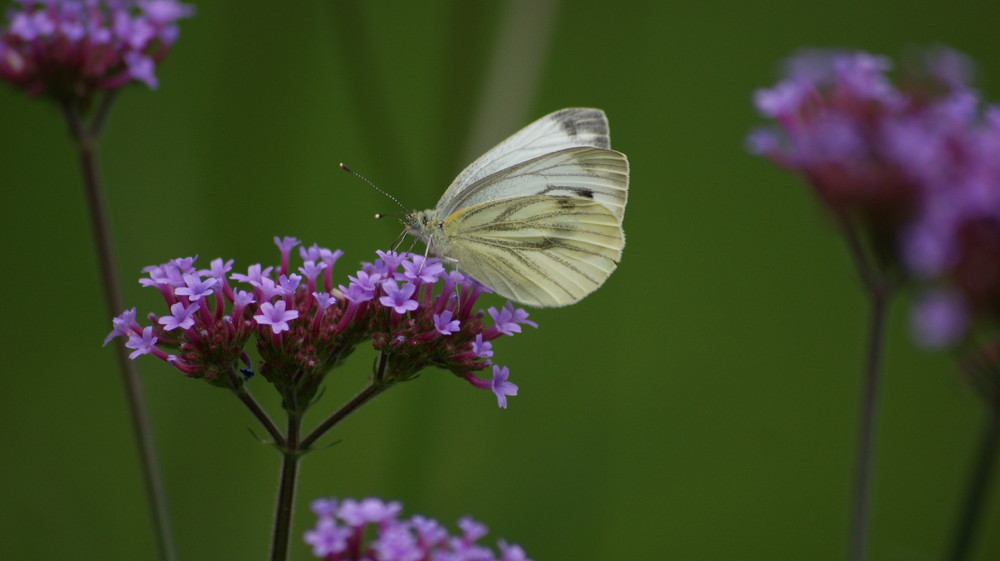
981 369
878 291
980 480
513 74
85 135
75 53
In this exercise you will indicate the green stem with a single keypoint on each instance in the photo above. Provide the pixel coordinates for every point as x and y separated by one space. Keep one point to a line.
377 386
86 143
101 114
364 396
291 453
262 417
878 298
865 451
980 479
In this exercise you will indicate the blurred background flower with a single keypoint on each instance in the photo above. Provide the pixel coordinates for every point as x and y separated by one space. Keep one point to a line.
71 49
352 530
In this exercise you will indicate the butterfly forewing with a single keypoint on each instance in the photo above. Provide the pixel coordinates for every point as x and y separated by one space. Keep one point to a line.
589 173
565 128
540 250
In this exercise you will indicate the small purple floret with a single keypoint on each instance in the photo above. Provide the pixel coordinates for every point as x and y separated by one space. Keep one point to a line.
123 325
939 320
196 287
509 318
388 261
482 348
276 316
444 324
399 298
501 387
370 510
327 538
324 300
288 284
143 344
181 316
422 269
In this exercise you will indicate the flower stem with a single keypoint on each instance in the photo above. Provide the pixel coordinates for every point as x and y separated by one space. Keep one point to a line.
251 404
357 401
291 453
86 143
878 298
864 454
101 114
980 479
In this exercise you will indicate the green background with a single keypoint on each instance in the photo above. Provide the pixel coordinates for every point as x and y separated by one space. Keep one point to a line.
700 406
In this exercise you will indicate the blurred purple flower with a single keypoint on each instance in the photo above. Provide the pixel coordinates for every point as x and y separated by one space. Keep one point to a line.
938 320
71 49
832 113
917 164
371 529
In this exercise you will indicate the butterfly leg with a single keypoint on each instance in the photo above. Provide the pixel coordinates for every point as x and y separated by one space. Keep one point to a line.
399 241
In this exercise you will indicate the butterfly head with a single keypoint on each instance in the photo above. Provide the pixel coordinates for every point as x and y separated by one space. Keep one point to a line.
423 225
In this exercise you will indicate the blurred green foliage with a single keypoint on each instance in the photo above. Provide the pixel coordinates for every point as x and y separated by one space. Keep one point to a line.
699 406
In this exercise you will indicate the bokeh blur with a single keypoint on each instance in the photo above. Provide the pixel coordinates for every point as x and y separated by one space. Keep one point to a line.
700 406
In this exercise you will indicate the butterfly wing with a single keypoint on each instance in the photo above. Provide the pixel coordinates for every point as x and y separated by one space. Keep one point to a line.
586 173
556 131
540 250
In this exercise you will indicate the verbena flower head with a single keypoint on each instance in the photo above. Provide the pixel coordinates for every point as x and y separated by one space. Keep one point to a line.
414 312
860 140
953 244
71 49
371 530
918 162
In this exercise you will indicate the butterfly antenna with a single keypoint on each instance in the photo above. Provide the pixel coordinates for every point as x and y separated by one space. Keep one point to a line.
373 186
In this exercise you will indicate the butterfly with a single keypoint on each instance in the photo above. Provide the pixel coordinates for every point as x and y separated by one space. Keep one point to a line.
538 218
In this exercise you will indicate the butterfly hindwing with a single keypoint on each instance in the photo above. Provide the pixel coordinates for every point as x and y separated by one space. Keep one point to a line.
540 250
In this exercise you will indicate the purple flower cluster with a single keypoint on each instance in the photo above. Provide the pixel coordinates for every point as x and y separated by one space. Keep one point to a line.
414 312
953 244
370 530
837 115
70 49
917 162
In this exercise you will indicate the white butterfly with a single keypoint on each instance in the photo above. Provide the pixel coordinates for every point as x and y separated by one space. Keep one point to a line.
538 219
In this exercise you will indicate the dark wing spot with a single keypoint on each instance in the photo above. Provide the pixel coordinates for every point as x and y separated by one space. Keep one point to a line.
585 122
582 192
565 203
567 121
